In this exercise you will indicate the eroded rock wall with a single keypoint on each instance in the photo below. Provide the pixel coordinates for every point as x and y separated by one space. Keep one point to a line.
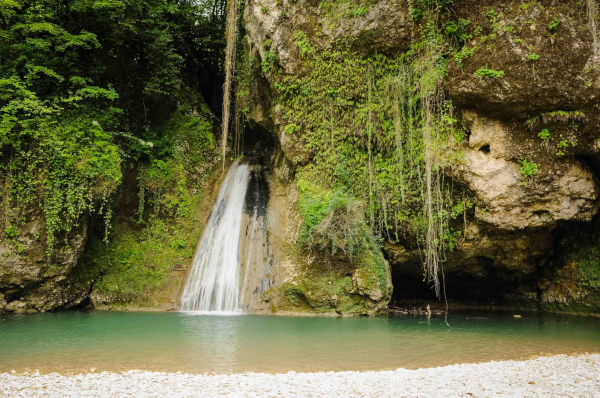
292 279
30 279
529 189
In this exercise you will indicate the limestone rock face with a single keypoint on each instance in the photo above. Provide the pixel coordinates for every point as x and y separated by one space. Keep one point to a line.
387 24
514 201
527 191
558 79
301 281
272 27
29 280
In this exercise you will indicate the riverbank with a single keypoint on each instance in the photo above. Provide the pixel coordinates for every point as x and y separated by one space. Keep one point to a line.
560 375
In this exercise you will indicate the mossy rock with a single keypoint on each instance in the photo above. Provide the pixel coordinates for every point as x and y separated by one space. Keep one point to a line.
365 291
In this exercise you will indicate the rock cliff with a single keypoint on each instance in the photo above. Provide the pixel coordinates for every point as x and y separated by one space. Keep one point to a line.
529 161
327 87
30 280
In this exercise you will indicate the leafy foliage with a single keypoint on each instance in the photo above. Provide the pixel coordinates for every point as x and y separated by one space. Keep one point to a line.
183 153
377 131
138 262
544 134
490 74
528 168
554 24
457 30
80 83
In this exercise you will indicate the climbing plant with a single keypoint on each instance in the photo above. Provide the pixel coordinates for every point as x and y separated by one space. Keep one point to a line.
377 130
230 52
81 85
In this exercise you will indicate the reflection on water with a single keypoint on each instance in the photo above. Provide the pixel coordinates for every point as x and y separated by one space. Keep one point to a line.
116 341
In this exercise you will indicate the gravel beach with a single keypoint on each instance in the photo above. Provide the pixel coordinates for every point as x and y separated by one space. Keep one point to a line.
557 376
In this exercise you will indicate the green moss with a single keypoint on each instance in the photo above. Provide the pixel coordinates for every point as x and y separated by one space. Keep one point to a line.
142 254
374 270
137 263
589 266
323 294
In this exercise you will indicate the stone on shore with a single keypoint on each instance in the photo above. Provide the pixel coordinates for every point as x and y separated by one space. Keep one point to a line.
557 376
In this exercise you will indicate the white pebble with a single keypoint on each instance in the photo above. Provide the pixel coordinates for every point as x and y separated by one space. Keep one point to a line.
557 376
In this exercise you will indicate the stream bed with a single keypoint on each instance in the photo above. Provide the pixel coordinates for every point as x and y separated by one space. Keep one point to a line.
77 341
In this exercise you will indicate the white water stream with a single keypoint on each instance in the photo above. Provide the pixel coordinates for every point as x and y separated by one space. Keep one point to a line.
213 284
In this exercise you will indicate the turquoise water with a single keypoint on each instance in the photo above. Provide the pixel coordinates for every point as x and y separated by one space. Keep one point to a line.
115 341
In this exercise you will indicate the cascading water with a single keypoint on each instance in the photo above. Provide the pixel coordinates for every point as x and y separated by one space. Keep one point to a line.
213 284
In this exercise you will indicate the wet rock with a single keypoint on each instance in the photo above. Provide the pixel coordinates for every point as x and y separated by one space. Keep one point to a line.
30 280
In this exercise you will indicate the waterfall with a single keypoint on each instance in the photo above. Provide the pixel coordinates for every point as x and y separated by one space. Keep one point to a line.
213 284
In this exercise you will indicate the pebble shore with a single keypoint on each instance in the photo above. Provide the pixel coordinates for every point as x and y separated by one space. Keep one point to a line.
556 376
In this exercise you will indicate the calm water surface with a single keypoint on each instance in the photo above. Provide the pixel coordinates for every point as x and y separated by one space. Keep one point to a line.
115 341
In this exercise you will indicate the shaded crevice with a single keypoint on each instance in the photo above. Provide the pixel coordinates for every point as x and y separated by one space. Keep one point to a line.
482 282
211 81
258 142
86 303
257 195
592 164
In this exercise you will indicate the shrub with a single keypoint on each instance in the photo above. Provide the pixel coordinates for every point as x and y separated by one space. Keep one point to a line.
332 221
544 134
485 73
528 168
554 24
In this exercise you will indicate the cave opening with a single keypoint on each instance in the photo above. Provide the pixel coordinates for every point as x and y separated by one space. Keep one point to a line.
256 146
593 165
256 142
475 281
485 149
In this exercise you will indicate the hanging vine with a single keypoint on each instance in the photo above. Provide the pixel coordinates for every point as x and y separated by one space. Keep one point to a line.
386 141
592 12
230 50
